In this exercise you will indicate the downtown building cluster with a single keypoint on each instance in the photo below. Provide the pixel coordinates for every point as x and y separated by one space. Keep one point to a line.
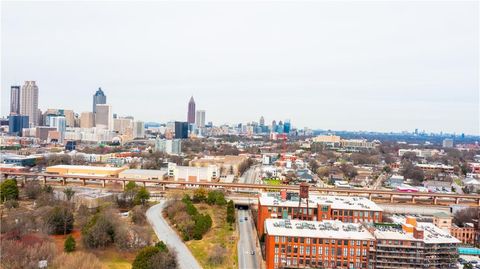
347 232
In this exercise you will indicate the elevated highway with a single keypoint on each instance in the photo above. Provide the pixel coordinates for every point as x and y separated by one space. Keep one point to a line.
385 196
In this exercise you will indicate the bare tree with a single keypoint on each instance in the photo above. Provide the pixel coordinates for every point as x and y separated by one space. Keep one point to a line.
217 255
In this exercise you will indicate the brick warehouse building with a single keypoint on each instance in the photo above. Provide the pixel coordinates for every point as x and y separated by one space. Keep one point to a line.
285 205
317 244
334 244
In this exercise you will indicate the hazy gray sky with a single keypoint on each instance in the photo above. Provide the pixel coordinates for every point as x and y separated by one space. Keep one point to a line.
379 65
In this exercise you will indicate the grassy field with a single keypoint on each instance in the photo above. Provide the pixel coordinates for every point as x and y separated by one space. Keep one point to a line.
110 257
273 182
220 233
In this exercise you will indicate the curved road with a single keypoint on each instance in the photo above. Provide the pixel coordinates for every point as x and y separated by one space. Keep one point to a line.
165 233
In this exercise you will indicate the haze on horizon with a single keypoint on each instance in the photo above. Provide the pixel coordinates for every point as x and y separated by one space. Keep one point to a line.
380 66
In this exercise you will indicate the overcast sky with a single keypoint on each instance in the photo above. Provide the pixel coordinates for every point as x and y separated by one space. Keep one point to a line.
383 65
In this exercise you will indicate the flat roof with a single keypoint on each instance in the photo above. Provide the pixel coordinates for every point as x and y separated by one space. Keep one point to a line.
431 233
336 202
87 167
333 229
143 172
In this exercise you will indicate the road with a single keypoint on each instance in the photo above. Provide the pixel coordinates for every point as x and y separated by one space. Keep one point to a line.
251 176
247 242
165 233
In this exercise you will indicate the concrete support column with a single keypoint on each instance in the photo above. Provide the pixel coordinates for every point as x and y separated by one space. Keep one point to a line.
413 199
370 195
144 184
44 180
123 184
478 202
391 198
103 183
435 200
64 181
457 200
84 181
24 180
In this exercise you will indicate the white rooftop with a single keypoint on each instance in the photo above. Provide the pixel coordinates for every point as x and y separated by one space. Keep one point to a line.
333 229
86 167
431 233
143 172
336 202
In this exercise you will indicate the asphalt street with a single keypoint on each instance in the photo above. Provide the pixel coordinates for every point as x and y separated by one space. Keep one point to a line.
164 232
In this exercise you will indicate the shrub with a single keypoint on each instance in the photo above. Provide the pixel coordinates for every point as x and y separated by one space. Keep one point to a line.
230 212
142 260
216 255
138 215
59 220
99 232
216 197
33 189
156 257
69 244
9 190
141 197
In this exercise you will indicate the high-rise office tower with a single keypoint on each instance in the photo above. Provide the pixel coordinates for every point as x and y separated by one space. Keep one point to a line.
274 126
29 102
191 111
287 126
138 129
104 116
69 117
181 130
15 100
99 98
87 120
59 122
200 119
16 123
262 121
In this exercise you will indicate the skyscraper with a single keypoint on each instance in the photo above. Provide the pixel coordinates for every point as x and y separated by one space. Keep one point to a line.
262 121
200 120
15 100
87 120
16 123
191 111
99 98
29 102
274 126
181 130
104 116
59 122
138 129
287 126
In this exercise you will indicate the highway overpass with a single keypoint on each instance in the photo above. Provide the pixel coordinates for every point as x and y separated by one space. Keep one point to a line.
385 196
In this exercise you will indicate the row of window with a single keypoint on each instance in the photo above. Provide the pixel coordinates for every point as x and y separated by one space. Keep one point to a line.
312 250
316 263
356 213
308 240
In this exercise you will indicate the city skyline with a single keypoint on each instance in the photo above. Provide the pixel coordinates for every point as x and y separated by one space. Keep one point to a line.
429 80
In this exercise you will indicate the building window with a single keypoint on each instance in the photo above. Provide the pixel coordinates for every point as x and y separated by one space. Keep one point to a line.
301 250
276 239
314 251
320 250
308 241
345 251
307 250
283 239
